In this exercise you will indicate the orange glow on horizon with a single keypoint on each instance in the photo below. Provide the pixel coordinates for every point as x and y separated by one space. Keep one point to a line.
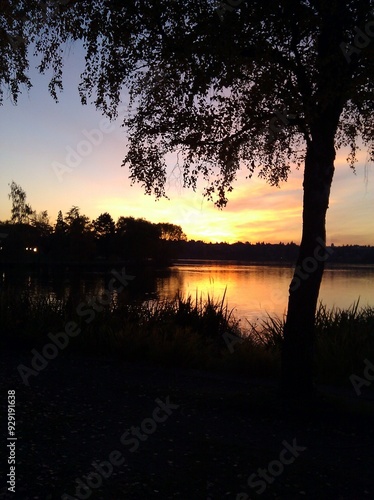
255 211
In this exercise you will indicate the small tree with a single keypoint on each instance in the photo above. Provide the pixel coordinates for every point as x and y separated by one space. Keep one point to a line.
76 223
61 225
104 225
104 230
171 232
138 238
41 222
21 211
79 235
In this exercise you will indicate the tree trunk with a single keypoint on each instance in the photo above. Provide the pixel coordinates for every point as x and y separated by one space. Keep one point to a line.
298 347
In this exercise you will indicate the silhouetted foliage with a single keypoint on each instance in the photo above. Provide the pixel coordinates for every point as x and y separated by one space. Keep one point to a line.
171 232
41 222
76 223
104 225
104 231
61 225
21 211
137 239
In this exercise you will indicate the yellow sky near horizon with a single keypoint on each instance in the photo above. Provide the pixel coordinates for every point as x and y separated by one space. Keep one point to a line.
255 211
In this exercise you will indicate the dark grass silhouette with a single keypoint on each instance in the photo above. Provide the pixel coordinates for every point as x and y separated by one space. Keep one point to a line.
187 332
230 421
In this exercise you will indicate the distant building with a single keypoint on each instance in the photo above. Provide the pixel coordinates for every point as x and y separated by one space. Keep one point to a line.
19 243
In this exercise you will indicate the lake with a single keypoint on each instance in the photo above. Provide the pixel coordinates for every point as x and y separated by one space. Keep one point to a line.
252 291
255 290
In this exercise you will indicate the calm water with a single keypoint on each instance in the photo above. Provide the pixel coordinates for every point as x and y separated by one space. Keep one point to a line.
254 290
251 290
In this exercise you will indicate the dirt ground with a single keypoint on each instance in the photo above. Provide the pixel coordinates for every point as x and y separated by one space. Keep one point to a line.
128 431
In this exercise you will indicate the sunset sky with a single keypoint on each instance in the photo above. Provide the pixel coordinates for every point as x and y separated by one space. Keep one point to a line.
37 136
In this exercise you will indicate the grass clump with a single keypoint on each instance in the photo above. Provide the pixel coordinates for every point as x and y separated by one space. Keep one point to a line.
343 339
187 332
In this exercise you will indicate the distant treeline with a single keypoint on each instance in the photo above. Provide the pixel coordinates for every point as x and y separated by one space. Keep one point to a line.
76 239
266 252
30 238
